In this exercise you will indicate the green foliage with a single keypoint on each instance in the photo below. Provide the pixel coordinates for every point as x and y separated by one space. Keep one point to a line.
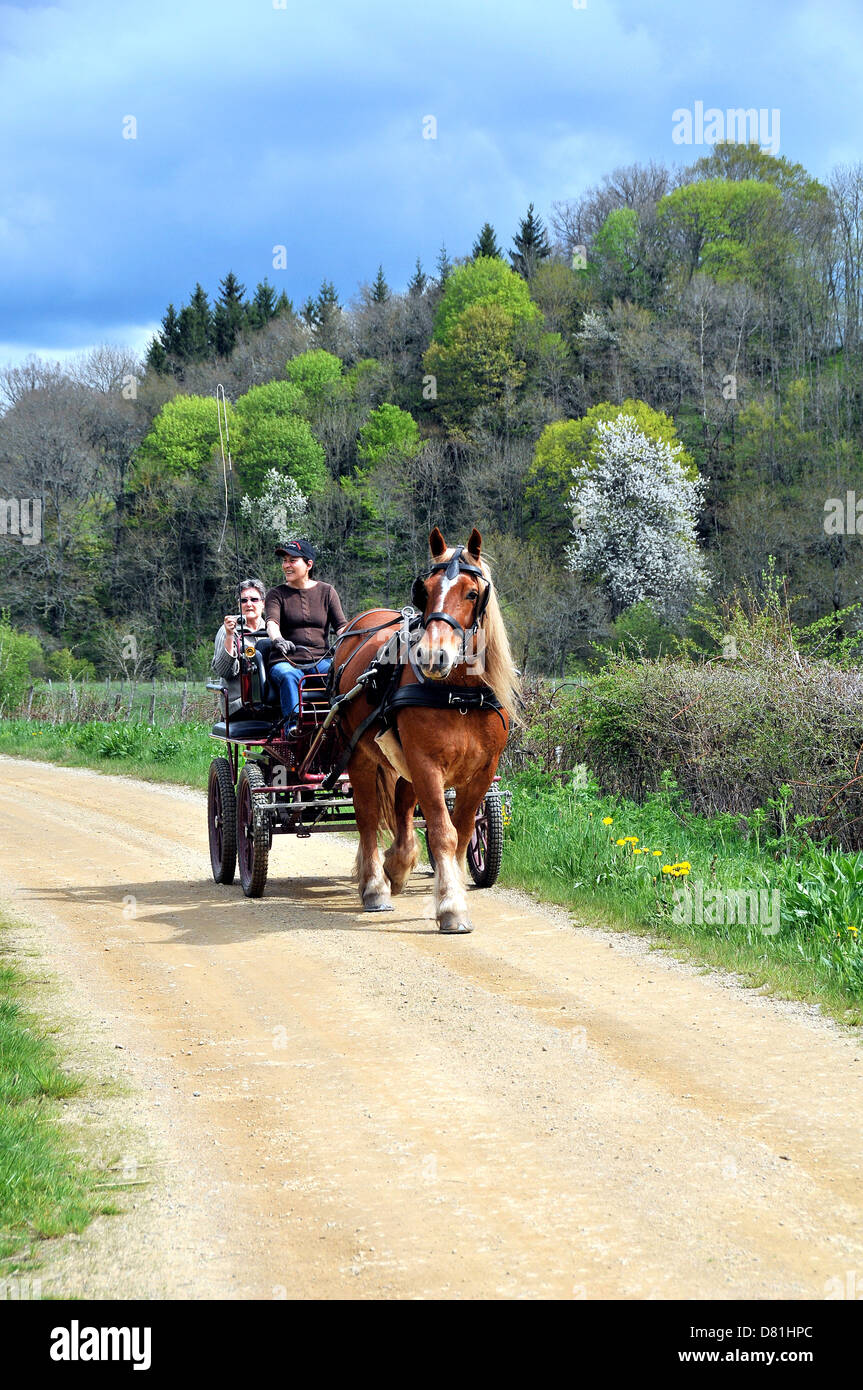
284 442
726 228
388 433
478 366
183 439
273 398
567 444
485 281
17 651
62 665
640 632
317 373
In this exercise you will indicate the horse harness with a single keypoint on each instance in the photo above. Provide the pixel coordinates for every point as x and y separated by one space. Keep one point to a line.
379 681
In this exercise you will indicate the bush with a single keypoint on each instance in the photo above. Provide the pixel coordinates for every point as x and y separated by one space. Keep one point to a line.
17 651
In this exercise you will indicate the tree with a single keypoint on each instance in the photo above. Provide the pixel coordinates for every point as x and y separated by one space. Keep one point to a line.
380 291
230 314
530 245
388 433
443 267
317 374
183 439
418 281
483 281
283 442
725 228
477 366
264 305
486 243
568 445
328 313
273 398
195 328
633 518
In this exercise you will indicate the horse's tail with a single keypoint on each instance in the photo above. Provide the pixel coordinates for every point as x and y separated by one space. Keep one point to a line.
386 789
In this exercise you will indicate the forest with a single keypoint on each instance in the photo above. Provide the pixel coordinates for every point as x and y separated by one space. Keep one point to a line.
650 400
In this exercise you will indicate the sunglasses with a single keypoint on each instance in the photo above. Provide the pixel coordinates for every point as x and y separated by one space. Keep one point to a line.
251 600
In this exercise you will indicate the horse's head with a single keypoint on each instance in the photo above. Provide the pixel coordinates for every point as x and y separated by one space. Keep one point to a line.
452 598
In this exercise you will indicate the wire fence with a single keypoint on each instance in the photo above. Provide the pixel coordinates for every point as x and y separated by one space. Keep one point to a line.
157 702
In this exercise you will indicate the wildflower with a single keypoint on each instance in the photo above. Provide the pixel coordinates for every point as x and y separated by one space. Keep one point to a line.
668 869
620 842
629 840
657 851
854 929
608 820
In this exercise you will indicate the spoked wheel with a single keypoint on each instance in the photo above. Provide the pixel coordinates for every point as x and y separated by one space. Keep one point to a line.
222 820
253 837
485 851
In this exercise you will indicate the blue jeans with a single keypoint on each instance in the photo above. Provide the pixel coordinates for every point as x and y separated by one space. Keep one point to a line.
286 678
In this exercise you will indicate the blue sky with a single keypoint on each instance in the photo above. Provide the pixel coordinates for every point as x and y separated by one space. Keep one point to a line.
302 126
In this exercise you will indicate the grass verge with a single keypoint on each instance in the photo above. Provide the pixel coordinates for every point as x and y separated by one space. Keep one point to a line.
46 1188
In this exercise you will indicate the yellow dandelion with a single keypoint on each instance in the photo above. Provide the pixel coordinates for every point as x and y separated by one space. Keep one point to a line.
668 868
629 840
620 842
657 851
607 820
854 929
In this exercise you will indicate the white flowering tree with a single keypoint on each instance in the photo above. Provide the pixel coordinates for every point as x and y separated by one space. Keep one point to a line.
633 519
278 510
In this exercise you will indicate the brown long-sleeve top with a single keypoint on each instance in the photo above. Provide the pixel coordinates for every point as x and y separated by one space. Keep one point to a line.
303 616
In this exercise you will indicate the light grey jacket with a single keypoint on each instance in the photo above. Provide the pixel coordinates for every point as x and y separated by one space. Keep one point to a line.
228 668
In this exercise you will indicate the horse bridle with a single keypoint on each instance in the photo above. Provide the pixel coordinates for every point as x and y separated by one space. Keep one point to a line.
452 567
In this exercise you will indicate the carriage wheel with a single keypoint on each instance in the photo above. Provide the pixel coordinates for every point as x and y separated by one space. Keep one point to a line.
253 840
485 851
222 820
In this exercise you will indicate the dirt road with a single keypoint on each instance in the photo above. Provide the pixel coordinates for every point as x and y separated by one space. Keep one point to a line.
326 1104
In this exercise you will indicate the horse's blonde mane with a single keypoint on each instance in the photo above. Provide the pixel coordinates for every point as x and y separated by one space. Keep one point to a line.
500 670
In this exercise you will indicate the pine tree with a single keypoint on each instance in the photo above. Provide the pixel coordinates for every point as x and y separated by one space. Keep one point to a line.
531 245
263 305
157 357
309 312
380 291
284 307
170 334
486 243
230 314
195 328
443 267
418 281
327 314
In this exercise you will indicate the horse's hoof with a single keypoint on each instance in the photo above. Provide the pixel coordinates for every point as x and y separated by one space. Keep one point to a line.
450 924
377 907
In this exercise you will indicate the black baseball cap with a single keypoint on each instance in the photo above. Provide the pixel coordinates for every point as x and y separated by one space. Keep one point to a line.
303 548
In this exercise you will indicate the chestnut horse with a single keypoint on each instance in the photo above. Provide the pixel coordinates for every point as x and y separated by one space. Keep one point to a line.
462 646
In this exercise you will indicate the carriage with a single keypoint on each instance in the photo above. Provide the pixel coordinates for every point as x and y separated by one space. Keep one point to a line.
272 782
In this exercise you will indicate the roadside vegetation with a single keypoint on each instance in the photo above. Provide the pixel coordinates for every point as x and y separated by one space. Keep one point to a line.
47 1187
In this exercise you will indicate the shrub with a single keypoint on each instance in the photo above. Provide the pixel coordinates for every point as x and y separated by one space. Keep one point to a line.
17 651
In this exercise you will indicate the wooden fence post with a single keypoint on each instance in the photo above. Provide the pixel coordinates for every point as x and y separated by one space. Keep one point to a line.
153 702
184 706
30 700
132 685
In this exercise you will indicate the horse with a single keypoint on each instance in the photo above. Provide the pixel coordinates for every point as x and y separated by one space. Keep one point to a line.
451 710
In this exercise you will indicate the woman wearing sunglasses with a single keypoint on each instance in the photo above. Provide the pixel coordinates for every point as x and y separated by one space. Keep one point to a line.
299 613
226 656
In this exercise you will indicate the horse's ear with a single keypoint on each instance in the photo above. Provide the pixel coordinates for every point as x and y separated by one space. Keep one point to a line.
474 545
437 544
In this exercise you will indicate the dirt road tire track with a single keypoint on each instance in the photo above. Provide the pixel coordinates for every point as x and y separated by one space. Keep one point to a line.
340 1105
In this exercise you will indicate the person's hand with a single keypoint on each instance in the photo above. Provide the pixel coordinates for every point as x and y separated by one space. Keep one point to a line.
282 647
230 629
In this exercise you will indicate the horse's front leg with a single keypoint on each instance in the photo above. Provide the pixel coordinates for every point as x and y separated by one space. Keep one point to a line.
467 800
450 901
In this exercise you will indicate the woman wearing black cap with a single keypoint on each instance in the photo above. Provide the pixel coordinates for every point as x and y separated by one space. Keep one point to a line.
298 614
